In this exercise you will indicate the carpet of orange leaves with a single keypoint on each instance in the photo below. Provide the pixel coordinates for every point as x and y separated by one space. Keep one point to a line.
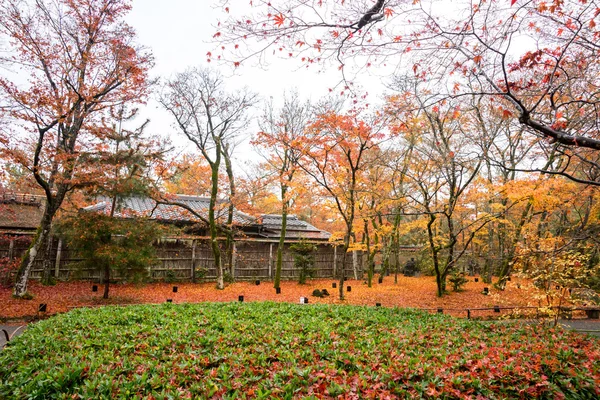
414 292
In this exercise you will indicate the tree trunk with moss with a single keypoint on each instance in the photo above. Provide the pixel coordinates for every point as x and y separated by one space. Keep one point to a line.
280 246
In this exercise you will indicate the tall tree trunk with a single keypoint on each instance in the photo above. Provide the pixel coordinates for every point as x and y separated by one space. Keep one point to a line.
35 250
232 193
214 240
354 256
343 269
284 213
440 278
355 263
508 259
47 275
106 280
395 242
370 264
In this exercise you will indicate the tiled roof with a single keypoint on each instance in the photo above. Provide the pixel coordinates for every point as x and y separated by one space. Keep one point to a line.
295 228
18 211
147 207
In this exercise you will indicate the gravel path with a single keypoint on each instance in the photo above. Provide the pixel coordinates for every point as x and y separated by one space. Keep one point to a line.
589 326
12 330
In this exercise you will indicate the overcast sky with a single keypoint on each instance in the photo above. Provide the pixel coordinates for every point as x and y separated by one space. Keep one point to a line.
179 33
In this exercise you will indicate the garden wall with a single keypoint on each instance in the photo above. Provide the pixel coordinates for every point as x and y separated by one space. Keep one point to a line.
191 259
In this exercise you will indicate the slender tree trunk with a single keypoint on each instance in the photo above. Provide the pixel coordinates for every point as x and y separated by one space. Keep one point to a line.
37 247
47 277
395 242
232 193
106 280
355 263
284 212
342 275
370 266
107 266
508 259
343 269
214 241
440 278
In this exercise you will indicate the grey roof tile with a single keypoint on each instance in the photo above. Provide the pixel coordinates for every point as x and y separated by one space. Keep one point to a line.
147 207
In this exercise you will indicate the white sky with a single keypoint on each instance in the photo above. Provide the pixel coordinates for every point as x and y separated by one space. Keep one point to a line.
179 33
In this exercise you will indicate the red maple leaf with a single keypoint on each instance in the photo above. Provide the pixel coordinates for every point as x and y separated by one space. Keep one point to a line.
279 19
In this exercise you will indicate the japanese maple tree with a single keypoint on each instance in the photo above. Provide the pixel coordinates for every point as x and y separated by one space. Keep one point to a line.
538 60
335 159
210 117
79 58
282 132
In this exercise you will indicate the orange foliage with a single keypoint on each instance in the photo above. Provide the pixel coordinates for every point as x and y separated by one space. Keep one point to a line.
190 176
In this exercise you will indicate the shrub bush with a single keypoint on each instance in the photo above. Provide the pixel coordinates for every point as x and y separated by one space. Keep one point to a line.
277 350
304 259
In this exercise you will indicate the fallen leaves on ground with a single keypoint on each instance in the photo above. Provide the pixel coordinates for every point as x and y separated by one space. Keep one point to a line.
413 292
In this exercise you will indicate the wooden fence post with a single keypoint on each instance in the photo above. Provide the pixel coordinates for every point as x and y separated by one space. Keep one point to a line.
233 257
58 254
334 261
11 249
193 261
271 260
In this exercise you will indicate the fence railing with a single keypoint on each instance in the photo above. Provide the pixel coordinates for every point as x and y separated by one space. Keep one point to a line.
191 259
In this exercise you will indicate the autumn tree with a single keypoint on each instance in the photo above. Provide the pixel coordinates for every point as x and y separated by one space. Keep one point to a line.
121 167
546 85
375 204
537 59
209 117
443 166
188 175
255 190
80 58
335 160
282 133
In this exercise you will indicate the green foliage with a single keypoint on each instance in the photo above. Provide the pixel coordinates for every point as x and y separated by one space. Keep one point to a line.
593 279
458 280
278 350
304 259
170 276
227 277
201 273
124 245
425 262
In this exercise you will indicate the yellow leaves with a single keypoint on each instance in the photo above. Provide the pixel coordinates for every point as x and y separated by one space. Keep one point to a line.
416 225
357 247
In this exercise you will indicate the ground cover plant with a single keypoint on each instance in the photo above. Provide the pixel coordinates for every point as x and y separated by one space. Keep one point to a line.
278 350
415 292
